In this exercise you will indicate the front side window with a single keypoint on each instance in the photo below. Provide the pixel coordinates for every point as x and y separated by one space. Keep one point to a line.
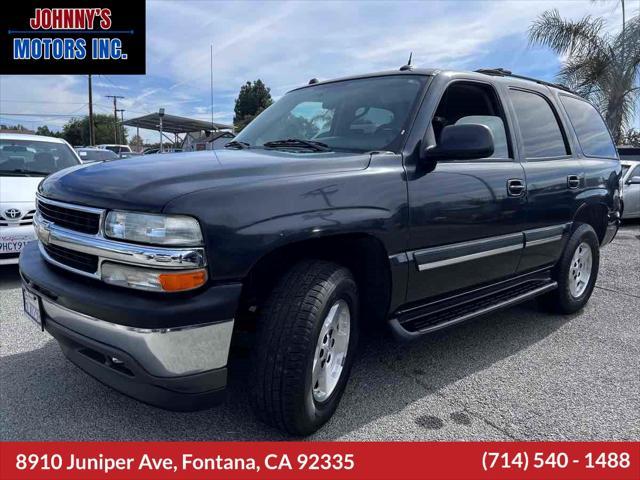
357 115
591 130
30 157
467 103
539 127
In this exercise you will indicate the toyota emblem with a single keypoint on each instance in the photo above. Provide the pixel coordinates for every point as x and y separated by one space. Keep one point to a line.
12 213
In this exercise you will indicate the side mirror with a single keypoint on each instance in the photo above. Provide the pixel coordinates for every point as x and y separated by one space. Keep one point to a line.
462 142
635 180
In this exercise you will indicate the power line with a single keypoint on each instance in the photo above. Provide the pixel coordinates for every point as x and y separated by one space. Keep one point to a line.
43 115
42 101
110 81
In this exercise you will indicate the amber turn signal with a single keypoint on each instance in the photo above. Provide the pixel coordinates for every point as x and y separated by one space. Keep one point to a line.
176 282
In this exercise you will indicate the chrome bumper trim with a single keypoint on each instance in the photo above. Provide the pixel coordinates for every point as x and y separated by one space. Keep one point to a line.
113 250
166 352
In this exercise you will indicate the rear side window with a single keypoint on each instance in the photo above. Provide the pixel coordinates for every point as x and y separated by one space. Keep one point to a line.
539 127
591 130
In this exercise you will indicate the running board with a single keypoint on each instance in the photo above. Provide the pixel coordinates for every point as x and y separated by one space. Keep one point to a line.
407 326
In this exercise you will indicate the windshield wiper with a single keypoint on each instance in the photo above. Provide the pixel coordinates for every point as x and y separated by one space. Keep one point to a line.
298 143
23 171
237 144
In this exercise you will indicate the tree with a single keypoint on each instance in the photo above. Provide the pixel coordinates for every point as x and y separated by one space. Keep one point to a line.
76 130
631 138
19 128
600 66
252 99
136 143
44 130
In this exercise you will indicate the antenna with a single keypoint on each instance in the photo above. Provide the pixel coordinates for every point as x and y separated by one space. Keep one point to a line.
408 65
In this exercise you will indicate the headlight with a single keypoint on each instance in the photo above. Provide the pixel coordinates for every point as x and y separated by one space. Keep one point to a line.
152 279
153 229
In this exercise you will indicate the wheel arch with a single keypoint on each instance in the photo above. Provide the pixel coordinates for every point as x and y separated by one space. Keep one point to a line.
594 214
363 254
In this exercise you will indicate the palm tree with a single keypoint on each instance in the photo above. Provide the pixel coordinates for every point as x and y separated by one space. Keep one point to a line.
600 66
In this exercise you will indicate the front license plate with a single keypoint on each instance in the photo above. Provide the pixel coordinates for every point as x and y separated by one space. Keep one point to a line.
31 304
11 246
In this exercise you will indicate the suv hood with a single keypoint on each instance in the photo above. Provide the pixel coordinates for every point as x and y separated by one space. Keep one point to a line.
149 182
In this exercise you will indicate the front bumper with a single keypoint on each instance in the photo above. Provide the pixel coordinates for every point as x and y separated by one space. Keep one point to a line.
163 353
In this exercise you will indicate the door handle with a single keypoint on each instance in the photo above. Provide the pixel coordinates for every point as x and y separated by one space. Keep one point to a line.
516 187
573 181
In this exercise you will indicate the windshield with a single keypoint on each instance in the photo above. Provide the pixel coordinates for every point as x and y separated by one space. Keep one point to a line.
31 157
353 115
96 155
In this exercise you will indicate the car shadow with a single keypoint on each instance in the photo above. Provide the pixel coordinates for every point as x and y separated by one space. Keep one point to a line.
44 397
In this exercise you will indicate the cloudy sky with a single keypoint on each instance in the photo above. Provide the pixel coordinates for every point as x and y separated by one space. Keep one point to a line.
287 43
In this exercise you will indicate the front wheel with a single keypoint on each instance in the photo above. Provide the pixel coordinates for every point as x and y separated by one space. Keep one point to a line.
576 271
307 333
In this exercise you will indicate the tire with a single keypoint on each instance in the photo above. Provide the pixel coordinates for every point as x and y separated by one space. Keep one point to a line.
572 293
283 379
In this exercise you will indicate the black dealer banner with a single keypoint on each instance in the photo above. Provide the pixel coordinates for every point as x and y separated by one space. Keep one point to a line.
73 37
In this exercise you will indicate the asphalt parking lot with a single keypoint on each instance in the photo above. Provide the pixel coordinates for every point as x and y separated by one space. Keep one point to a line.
520 374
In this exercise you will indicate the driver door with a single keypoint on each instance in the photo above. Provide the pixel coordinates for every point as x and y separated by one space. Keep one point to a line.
466 215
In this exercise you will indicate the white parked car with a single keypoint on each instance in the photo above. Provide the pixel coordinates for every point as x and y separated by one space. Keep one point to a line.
24 161
630 160
119 149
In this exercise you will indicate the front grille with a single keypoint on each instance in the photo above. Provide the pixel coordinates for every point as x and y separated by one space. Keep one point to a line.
27 219
71 258
78 220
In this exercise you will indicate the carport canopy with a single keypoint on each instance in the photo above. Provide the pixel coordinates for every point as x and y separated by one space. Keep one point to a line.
174 124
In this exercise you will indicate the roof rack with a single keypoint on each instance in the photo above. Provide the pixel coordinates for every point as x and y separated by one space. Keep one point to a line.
501 72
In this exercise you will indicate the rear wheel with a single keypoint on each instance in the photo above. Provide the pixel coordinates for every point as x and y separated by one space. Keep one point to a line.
307 333
576 271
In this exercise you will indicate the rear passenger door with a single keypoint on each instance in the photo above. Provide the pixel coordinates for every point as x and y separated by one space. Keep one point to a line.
554 177
599 156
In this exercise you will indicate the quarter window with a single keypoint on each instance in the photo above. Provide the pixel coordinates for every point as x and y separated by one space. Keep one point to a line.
591 130
539 127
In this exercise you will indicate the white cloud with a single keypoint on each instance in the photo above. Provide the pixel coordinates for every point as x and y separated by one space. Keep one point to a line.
286 43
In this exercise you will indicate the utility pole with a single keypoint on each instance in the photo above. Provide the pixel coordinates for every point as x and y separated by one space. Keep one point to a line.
115 116
211 68
121 124
92 136
161 115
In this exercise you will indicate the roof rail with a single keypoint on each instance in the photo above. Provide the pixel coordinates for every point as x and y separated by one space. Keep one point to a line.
498 72
501 72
